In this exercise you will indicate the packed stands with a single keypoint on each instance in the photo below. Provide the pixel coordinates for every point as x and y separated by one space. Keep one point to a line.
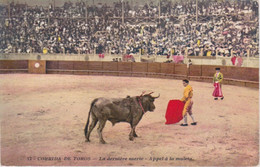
222 28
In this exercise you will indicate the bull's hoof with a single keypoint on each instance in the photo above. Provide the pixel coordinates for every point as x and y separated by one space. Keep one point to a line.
87 140
135 135
131 138
102 142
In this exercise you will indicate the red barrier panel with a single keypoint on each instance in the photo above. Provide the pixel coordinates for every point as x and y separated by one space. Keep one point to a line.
52 65
241 76
124 66
209 71
167 68
14 64
80 65
37 66
195 70
95 65
154 67
239 73
242 73
110 66
181 69
139 67
65 65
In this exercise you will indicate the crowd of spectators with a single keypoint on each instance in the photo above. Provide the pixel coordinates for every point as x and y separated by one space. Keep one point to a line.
223 27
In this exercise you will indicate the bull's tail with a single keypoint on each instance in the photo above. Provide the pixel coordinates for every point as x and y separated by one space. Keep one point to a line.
86 127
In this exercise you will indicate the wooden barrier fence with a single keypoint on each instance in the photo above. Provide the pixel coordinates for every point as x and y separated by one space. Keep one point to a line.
241 76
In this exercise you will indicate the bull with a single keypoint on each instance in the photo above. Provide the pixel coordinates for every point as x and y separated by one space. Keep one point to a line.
129 109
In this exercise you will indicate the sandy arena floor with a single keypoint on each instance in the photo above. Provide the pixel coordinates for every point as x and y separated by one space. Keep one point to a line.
44 116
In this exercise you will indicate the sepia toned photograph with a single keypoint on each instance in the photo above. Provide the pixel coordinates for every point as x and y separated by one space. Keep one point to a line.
129 82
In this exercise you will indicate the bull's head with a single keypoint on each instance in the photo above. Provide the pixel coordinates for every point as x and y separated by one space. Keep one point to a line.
147 101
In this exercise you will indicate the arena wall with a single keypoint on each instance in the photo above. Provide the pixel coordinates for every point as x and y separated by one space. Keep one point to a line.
167 68
181 69
37 67
195 70
124 68
13 66
241 76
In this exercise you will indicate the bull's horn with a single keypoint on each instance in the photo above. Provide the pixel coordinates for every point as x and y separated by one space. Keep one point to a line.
157 96
142 93
150 93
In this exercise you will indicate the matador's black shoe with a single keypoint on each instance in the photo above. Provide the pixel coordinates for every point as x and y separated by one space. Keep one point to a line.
222 98
215 98
194 123
184 124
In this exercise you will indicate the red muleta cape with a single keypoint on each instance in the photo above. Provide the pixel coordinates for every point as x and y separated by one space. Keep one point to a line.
174 112
217 91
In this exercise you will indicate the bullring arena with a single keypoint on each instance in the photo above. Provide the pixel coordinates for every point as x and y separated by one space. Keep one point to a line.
43 116
56 57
